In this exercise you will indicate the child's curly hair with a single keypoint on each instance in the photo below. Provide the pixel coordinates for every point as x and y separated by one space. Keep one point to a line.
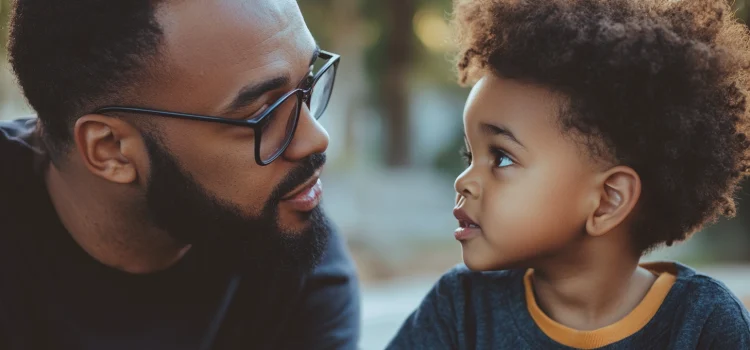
657 85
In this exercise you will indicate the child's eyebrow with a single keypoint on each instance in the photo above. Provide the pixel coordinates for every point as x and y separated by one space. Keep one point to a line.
494 130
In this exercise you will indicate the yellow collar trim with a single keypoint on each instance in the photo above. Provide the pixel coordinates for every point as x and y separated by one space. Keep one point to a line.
629 325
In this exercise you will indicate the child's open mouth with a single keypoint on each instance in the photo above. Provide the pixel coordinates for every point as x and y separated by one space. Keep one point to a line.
465 224
467 227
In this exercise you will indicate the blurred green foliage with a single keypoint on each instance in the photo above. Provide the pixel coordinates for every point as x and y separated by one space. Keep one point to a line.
4 19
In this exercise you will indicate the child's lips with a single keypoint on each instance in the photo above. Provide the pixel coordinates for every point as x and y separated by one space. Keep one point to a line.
466 233
467 227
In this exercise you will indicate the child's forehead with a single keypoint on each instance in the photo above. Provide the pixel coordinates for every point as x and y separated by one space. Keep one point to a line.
503 112
511 104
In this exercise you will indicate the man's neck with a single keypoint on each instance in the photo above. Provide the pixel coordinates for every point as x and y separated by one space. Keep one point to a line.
598 287
107 230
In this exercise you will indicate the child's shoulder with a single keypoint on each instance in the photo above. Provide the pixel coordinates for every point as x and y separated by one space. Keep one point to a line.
462 281
463 303
704 289
460 272
709 302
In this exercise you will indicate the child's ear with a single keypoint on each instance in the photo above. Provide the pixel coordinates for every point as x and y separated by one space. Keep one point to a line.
618 193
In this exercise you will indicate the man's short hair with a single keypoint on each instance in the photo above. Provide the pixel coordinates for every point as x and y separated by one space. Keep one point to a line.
71 56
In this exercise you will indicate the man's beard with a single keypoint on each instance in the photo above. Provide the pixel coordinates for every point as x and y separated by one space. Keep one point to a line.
218 230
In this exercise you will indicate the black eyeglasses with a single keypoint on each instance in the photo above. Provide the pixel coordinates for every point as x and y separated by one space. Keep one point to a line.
274 128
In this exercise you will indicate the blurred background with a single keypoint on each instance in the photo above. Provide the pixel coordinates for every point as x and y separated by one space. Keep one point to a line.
395 126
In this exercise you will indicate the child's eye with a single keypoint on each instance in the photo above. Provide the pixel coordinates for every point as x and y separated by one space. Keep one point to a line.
466 155
502 159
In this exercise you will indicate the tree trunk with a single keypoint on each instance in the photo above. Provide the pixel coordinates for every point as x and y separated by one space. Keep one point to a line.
394 88
351 83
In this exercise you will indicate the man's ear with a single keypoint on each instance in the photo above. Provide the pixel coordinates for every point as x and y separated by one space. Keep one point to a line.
108 147
618 192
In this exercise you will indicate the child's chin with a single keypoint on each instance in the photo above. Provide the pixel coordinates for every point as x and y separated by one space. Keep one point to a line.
476 262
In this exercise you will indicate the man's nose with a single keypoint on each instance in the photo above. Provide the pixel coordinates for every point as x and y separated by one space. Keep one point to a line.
310 138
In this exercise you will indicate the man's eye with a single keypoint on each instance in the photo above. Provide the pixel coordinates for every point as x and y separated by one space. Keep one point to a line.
258 113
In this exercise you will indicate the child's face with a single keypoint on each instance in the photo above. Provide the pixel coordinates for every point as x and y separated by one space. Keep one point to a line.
529 188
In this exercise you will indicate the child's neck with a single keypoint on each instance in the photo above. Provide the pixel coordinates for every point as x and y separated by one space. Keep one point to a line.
597 288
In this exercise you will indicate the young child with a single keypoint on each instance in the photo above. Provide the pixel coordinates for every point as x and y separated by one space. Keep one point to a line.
596 131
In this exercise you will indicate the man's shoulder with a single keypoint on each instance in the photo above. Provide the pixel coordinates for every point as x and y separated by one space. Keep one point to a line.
336 259
16 133
335 274
16 171
329 312
16 150
20 191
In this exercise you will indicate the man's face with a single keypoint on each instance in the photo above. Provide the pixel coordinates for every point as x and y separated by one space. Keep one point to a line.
203 182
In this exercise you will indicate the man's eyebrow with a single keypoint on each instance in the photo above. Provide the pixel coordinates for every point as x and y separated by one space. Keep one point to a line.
494 130
253 92
315 54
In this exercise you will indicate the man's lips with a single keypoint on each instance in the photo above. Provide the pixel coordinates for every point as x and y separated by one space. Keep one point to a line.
307 196
305 186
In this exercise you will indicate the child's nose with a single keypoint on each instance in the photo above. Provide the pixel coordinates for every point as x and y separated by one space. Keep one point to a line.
467 185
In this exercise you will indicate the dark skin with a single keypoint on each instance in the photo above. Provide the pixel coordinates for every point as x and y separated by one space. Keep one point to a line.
212 51
543 202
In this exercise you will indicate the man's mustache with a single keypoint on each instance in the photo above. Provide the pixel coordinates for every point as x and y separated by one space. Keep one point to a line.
298 175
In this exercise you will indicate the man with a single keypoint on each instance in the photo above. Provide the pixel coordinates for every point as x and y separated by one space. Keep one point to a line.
167 195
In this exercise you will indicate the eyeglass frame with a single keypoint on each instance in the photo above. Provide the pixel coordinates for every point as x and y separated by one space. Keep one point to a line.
303 93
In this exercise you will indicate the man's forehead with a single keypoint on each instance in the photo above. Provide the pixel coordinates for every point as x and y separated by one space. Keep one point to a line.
203 30
213 48
269 11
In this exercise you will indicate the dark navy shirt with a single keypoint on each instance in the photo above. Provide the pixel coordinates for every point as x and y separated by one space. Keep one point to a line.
488 310
53 295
